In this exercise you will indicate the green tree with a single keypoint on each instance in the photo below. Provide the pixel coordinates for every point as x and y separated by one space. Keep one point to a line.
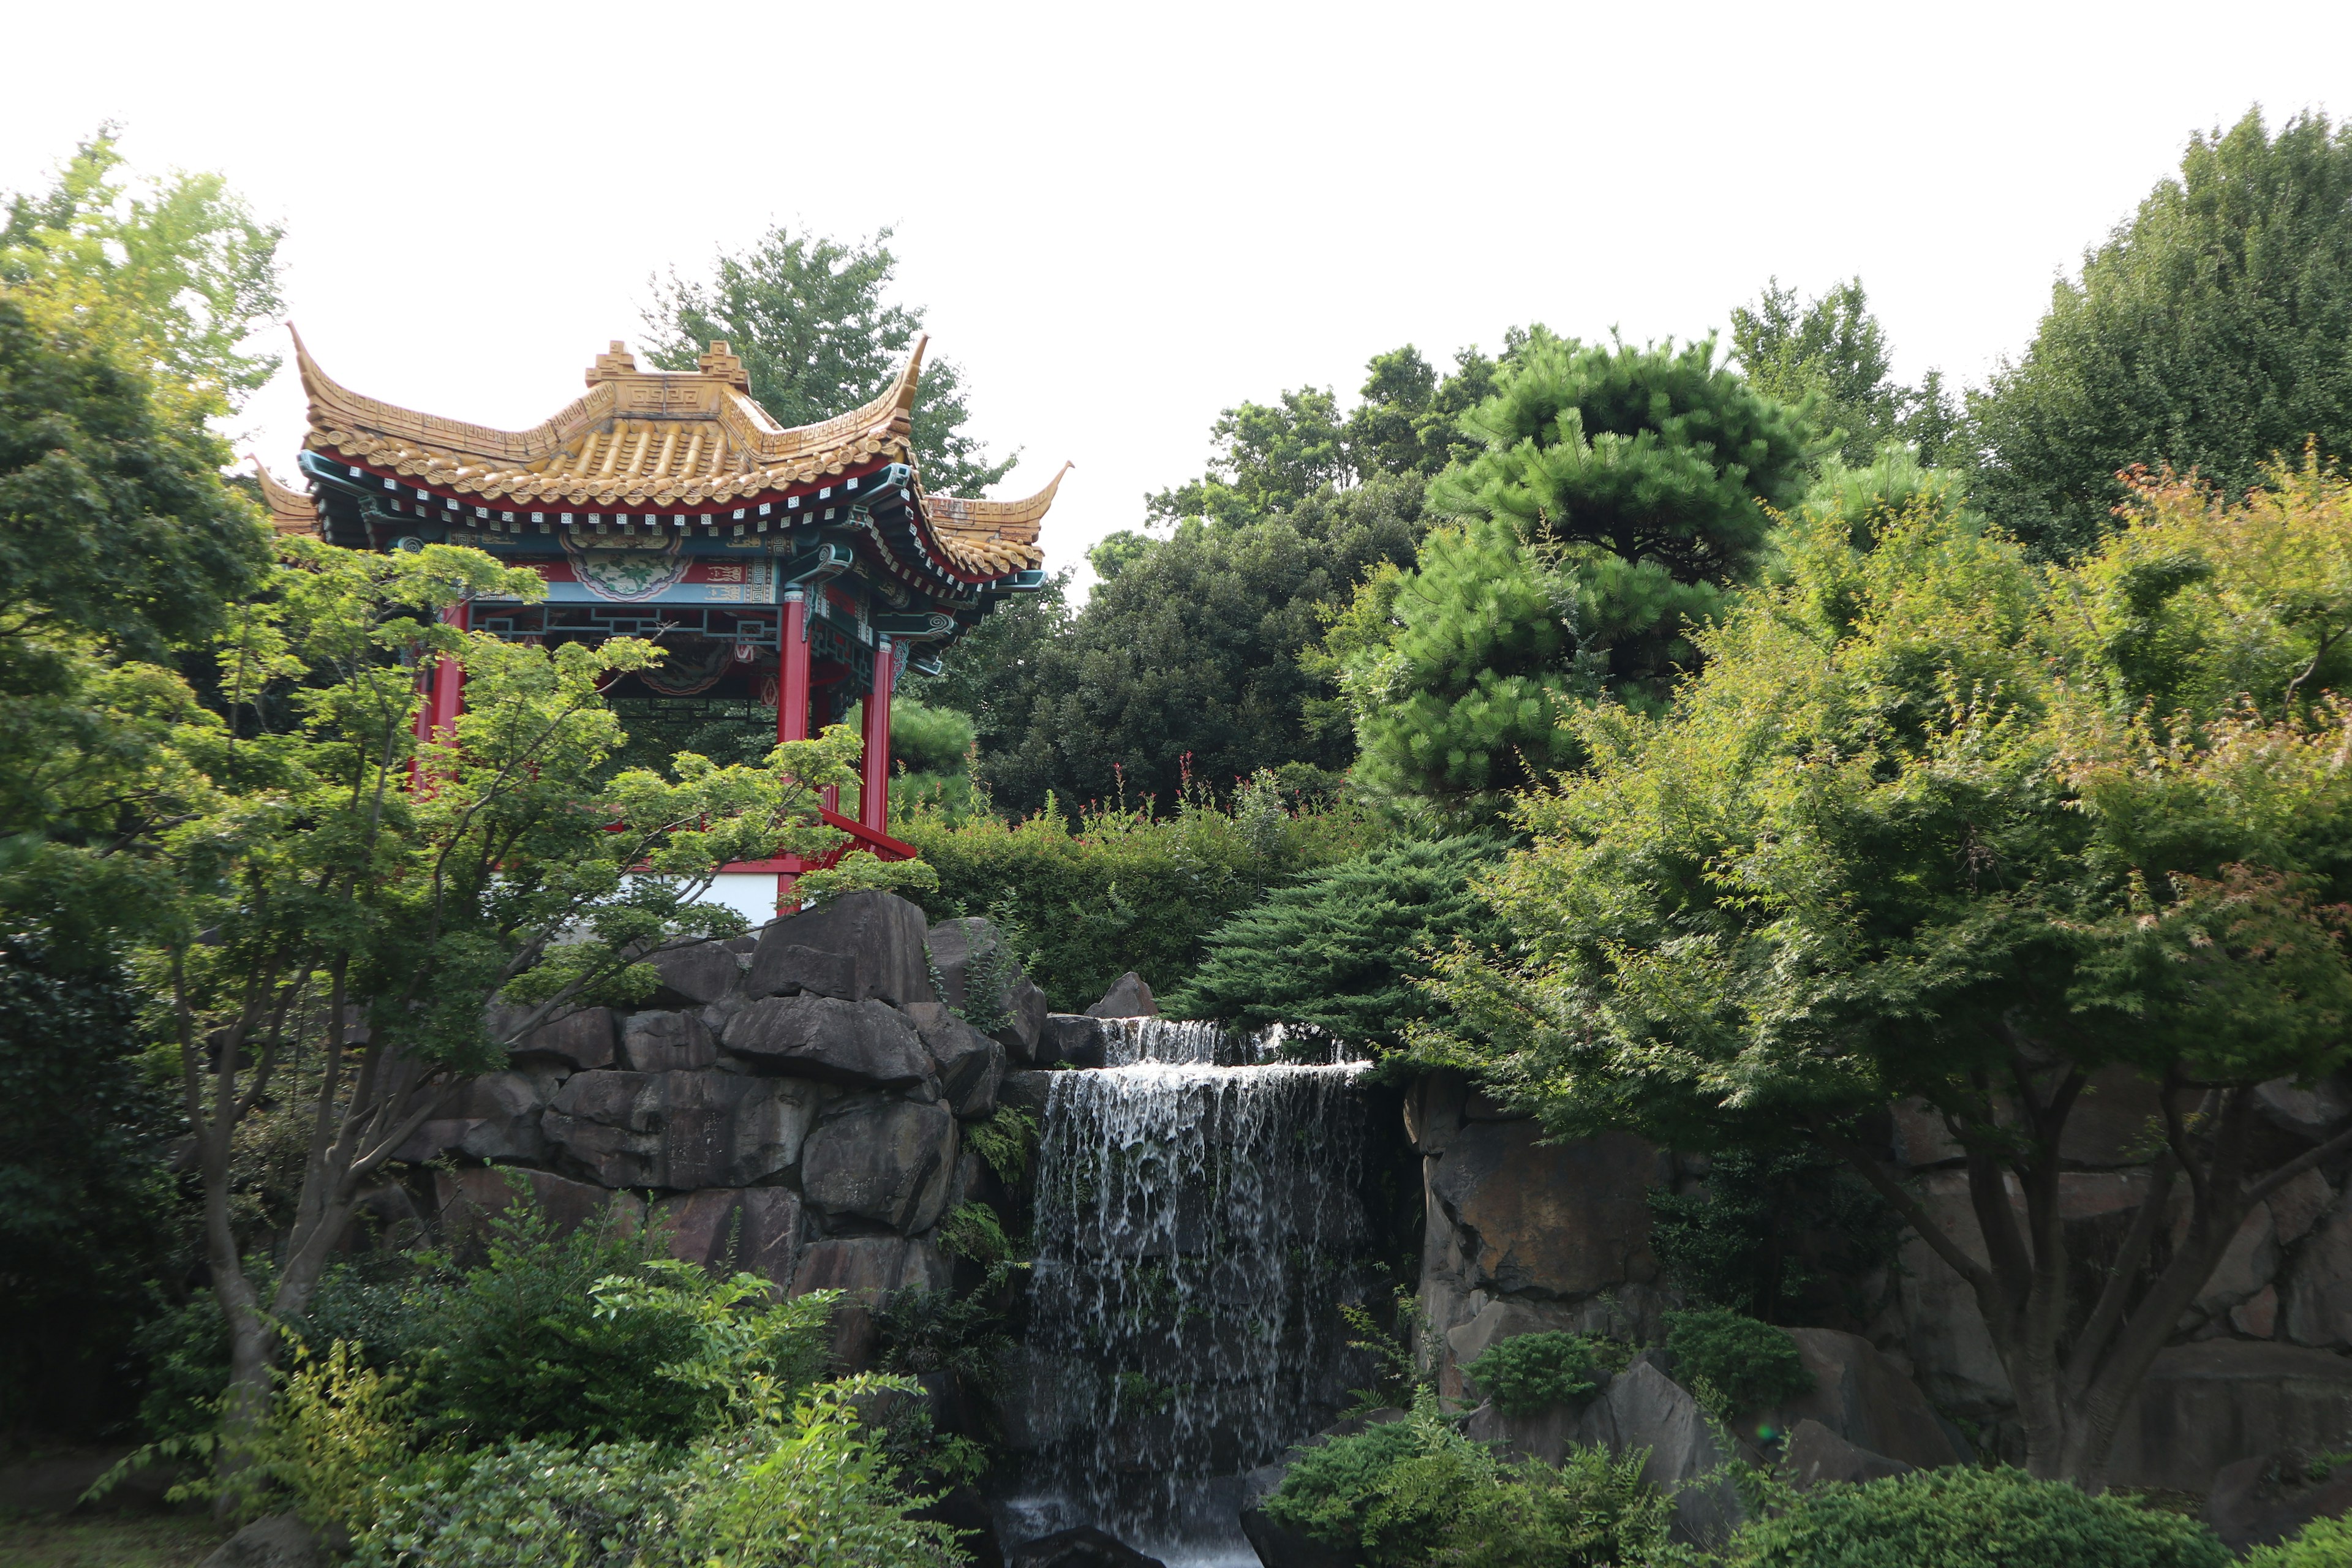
1339 951
1409 421
1977 834
121 545
1268 459
180 268
1618 495
1830 357
1271 458
807 316
336 907
2212 331
1190 658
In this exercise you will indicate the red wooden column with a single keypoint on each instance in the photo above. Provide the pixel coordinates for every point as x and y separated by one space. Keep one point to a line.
793 670
792 708
449 678
874 795
444 686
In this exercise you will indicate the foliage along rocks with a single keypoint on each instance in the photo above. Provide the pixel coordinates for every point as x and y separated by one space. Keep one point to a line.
790 1104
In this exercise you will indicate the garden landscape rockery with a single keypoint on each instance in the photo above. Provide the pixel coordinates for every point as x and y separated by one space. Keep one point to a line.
796 1104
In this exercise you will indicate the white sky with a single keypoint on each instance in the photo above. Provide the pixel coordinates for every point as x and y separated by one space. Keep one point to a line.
1122 218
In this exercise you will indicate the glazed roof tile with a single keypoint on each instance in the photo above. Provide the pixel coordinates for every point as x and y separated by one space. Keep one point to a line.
660 439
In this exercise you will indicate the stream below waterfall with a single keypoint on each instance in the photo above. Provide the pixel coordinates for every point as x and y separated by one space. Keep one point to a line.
1200 1220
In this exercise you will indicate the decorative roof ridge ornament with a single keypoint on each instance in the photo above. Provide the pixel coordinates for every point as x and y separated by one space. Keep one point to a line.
722 364
291 510
1014 519
613 365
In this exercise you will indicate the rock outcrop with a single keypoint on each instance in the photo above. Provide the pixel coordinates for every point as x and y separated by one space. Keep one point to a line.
1128 997
2263 1501
788 1105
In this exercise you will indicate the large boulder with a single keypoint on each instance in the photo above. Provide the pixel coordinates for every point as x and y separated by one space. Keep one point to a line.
465 1200
1865 1400
734 1230
880 935
698 975
865 1268
1542 1219
1075 1040
578 1040
829 1038
2263 1501
681 1130
2207 1405
667 1042
1816 1455
1026 1088
955 944
1084 1547
890 1162
1128 997
1642 1408
493 1117
281 1540
1024 1017
968 1064
2316 1302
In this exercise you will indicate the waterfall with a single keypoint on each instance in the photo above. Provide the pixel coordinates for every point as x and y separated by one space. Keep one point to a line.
1193 1040
1197 1227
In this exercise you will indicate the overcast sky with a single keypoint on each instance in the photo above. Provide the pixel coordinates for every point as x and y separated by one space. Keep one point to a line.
1122 218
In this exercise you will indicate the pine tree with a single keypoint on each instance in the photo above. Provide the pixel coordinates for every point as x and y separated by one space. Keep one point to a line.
1619 495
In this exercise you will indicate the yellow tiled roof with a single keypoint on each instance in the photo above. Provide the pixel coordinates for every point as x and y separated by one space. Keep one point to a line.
661 439
291 512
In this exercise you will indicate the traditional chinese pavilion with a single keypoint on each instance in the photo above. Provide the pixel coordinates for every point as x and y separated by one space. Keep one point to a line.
799 570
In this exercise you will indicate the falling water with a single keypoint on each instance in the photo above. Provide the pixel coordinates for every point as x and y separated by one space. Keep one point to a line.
1197 1227
1190 1040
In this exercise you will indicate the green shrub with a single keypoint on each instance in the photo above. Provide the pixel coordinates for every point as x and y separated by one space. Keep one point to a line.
1127 887
1417 1492
1331 1488
1973 1518
1526 1372
1006 1141
920 1331
1746 1365
1591 1511
1339 951
805 1492
595 1337
2322 1543
973 1230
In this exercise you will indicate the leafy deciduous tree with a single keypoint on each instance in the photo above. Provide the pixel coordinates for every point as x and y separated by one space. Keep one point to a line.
2213 331
350 900
806 315
1829 356
180 269
1977 834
